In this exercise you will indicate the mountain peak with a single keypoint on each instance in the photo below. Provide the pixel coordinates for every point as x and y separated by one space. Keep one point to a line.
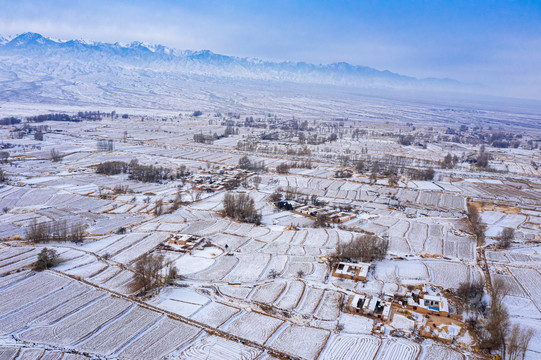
29 38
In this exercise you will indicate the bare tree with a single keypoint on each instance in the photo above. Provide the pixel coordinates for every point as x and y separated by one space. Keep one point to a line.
158 208
241 207
55 155
518 341
256 181
492 336
472 295
365 248
477 226
147 271
172 274
322 220
505 238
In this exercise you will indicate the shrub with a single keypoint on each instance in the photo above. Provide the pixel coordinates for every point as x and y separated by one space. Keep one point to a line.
46 259
282 168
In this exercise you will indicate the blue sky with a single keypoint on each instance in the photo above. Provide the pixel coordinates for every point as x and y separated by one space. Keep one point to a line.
495 43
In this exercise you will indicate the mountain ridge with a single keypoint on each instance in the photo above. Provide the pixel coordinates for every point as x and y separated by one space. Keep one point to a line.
338 73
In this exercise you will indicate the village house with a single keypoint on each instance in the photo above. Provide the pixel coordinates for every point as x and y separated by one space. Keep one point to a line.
370 305
428 304
353 271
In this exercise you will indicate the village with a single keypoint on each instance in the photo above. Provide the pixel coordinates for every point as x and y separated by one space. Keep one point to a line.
252 240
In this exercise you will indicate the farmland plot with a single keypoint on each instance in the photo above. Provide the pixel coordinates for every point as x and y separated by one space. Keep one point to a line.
188 264
304 342
79 325
28 290
316 237
119 332
232 241
355 324
386 271
329 308
13 254
249 268
16 321
115 244
215 314
276 263
239 229
268 293
147 244
70 306
452 202
412 272
253 326
435 240
496 256
219 270
399 350
319 273
158 341
397 234
12 278
354 347
437 352
251 246
88 270
310 301
276 248
211 347
235 291
417 235
291 297
447 274
294 267
530 281
205 228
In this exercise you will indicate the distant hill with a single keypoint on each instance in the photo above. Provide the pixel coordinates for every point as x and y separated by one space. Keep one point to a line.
37 68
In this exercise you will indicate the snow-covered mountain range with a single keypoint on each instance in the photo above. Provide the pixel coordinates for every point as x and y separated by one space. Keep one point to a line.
37 68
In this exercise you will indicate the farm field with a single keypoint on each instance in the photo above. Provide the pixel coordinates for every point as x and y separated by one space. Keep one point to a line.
261 286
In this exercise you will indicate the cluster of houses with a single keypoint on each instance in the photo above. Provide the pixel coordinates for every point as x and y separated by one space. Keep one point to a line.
380 308
334 215
217 180
182 242
416 301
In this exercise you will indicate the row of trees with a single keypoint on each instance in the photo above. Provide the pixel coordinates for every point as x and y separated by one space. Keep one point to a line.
476 224
144 173
55 231
492 325
364 248
246 164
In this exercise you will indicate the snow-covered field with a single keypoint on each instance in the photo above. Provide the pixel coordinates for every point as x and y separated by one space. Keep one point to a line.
247 291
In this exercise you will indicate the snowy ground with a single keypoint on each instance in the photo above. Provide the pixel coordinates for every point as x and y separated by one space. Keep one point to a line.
246 291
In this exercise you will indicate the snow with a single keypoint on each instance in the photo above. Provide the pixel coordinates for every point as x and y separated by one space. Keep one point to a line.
355 324
301 341
351 347
402 323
